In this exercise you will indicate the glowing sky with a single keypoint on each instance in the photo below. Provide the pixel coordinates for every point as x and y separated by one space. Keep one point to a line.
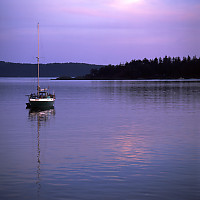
98 31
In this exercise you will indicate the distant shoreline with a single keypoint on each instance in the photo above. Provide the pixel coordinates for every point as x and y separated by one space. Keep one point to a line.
8 69
154 69
168 79
162 68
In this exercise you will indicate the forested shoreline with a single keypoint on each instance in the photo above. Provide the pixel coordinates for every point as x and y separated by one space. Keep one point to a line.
9 69
157 68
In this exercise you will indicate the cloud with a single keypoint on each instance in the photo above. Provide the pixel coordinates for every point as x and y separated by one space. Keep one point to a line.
120 13
99 13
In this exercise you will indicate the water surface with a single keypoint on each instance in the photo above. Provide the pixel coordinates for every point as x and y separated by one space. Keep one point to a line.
121 140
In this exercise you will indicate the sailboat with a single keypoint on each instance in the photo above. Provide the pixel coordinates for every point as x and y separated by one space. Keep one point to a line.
42 99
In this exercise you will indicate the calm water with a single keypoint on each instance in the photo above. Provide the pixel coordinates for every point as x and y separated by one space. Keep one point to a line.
121 140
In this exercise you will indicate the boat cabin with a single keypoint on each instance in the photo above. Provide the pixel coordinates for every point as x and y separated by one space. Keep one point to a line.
43 94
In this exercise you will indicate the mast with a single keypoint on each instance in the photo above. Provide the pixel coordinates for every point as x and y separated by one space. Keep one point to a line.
38 87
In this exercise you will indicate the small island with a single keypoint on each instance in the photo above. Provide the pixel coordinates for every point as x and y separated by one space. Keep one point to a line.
157 68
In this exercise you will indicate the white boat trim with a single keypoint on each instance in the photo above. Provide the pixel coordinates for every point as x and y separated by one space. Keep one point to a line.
44 99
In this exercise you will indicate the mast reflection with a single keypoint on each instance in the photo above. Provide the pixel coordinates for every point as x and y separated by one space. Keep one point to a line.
40 117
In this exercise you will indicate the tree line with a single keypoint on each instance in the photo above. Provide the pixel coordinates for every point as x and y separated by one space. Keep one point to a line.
157 68
8 69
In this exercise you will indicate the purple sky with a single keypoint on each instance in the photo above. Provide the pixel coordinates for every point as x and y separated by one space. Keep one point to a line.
98 31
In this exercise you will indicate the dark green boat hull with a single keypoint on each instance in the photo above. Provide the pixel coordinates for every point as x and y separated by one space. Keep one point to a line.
41 104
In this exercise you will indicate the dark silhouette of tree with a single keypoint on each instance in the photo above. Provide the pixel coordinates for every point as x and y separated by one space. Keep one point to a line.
162 68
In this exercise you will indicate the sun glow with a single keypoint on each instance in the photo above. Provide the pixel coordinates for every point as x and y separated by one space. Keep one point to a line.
124 4
130 1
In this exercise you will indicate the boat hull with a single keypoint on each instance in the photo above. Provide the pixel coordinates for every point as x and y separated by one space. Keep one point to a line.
41 103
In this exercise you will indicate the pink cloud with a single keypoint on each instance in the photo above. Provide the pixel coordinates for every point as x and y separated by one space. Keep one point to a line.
107 12
81 11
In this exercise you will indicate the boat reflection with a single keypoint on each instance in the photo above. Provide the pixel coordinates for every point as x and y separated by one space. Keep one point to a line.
40 116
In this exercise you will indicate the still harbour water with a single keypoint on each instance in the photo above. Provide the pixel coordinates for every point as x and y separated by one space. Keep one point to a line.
120 140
